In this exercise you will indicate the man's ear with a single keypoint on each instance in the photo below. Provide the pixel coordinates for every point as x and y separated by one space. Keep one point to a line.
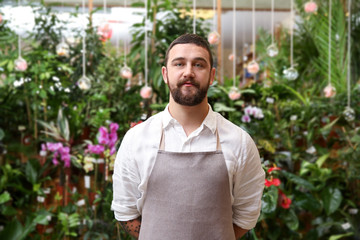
164 74
212 75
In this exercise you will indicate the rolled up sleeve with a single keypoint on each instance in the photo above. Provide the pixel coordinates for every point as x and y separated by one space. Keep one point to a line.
125 182
248 186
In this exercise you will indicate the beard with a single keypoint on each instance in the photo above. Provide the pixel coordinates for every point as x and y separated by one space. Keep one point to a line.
188 99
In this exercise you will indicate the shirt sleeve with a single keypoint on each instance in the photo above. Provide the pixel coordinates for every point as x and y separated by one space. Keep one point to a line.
248 186
126 180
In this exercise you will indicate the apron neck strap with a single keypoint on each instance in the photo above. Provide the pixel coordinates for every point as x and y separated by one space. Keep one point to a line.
162 141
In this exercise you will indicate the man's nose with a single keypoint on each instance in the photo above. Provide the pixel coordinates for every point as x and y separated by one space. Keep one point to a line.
189 71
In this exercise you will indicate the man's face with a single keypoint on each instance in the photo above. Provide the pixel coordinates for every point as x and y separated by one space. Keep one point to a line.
188 74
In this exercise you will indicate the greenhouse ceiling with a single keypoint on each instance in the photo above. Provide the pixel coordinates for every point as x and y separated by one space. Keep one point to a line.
280 5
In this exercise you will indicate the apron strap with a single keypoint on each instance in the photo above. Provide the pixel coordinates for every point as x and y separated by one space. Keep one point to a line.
162 141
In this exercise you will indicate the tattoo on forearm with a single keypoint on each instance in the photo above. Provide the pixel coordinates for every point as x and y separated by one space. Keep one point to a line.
132 227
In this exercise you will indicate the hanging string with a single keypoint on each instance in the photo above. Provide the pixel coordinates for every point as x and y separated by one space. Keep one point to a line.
146 45
214 22
194 16
234 43
125 43
104 8
253 28
291 34
19 38
244 50
329 46
349 56
272 22
83 40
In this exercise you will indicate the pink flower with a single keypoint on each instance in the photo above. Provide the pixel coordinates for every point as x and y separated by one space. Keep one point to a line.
310 7
96 149
246 118
53 147
213 38
105 32
249 110
20 64
103 137
273 181
114 127
146 92
234 93
329 91
284 201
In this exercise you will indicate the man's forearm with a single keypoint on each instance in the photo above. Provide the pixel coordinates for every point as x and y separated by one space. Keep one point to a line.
132 227
239 232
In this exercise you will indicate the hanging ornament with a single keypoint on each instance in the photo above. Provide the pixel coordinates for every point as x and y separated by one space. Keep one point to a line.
231 57
310 7
146 92
1 18
104 30
234 93
84 83
329 91
253 66
62 49
349 114
128 85
126 72
194 15
272 49
214 38
20 64
291 73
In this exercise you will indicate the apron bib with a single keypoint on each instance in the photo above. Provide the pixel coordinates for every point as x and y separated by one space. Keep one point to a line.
188 197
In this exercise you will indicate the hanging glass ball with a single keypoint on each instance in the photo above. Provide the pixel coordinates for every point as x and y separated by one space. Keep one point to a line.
104 31
349 114
84 83
214 38
234 93
1 18
128 85
253 67
20 64
126 72
310 7
62 49
291 73
146 92
329 91
272 50
231 57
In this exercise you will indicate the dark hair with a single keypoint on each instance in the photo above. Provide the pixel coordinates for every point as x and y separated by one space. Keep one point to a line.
187 39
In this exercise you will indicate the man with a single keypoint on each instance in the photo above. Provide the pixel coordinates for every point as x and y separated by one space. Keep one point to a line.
187 173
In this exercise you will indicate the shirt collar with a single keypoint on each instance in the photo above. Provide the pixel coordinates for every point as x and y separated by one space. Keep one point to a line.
209 121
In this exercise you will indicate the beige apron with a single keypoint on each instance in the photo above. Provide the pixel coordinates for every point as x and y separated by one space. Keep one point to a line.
188 197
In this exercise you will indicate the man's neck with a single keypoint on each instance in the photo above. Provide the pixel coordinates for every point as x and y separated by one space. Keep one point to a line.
190 117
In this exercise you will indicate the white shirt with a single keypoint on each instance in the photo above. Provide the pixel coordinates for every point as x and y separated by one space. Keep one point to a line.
137 154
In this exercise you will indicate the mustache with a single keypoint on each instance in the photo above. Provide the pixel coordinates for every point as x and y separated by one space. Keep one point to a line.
191 80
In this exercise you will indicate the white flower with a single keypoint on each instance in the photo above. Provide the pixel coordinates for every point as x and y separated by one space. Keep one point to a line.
270 100
311 150
293 118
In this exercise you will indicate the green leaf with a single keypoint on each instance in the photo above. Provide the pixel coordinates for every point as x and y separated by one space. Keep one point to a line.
267 145
340 236
30 172
4 197
332 198
220 107
322 159
298 180
12 231
2 134
291 220
269 200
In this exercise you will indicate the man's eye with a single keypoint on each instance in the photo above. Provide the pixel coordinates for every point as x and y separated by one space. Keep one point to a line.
198 65
178 64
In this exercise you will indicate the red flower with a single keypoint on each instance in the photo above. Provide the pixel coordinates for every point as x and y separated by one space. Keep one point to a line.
273 169
133 124
273 181
284 201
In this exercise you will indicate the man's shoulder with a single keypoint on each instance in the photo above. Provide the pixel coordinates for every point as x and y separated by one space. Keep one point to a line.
232 132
